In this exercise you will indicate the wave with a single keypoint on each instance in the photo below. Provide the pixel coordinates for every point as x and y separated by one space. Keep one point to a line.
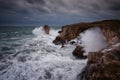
39 31
39 59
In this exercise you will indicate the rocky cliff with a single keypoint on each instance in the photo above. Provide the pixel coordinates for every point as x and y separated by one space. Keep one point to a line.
104 64
110 29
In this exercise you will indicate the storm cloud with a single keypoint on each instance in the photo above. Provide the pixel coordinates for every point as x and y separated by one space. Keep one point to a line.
57 12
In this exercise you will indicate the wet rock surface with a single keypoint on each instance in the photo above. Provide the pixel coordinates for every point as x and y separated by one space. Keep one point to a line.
94 57
78 52
46 28
103 65
58 40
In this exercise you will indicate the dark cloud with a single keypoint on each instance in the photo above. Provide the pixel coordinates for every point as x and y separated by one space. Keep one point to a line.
115 6
42 2
58 11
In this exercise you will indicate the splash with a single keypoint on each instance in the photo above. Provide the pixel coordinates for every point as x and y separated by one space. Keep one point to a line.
38 31
93 40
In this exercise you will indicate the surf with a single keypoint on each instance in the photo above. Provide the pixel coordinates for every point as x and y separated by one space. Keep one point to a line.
39 59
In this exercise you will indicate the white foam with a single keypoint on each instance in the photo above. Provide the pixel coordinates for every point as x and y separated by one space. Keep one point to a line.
38 31
93 40
40 59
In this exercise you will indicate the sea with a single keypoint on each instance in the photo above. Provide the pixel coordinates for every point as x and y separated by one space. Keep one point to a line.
27 53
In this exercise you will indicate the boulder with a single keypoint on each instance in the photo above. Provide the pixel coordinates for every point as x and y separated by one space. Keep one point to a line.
46 28
78 52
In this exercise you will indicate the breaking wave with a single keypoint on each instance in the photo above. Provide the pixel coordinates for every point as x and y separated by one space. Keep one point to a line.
39 59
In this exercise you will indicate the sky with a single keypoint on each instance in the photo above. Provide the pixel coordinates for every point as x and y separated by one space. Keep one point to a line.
56 12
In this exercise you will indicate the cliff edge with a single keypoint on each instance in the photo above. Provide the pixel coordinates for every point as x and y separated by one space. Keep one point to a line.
101 65
110 29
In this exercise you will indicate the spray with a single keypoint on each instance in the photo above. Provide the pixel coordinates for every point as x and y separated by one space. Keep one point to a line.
93 40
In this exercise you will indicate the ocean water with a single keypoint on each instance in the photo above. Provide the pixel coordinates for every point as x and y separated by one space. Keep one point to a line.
27 53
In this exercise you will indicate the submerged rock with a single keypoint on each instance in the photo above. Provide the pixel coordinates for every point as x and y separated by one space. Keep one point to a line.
46 29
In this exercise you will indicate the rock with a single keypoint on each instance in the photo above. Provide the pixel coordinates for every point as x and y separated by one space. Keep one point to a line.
103 65
46 29
94 57
72 42
110 28
59 31
78 52
112 56
111 34
59 40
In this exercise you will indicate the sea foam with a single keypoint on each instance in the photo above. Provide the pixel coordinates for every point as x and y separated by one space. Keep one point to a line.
39 59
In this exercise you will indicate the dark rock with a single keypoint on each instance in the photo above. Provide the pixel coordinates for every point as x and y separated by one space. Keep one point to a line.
59 40
72 42
59 31
46 29
78 52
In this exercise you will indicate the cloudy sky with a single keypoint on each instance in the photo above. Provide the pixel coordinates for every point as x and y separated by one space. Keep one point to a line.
56 12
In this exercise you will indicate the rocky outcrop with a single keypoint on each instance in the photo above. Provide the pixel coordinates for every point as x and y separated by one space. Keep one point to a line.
112 33
78 52
58 40
103 65
46 28
110 28
94 57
